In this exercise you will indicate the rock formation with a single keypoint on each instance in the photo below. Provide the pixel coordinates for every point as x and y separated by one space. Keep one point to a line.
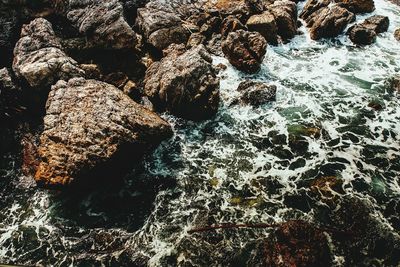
365 33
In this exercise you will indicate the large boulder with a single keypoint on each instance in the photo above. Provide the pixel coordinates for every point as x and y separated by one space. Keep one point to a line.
102 22
325 20
39 58
184 83
266 25
245 50
161 26
256 93
365 33
90 125
285 13
357 6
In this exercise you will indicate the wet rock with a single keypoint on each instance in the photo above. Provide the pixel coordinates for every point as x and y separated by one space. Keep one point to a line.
231 24
327 186
397 34
285 13
161 26
324 20
10 96
256 93
358 6
90 126
266 25
245 50
365 33
39 58
102 22
297 243
395 83
184 83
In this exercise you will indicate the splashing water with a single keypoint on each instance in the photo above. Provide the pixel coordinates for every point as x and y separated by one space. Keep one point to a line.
247 165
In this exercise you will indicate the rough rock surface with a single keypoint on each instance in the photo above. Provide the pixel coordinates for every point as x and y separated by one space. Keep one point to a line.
285 13
395 83
10 95
265 24
102 22
39 58
397 34
231 24
88 124
184 83
256 93
161 26
9 31
324 20
358 6
245 50
297 243
365 33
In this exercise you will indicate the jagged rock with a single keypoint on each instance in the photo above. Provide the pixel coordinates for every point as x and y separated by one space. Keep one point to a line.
365 33
38 56
324 20
265 24
256 93
285 13
10 95
161 26
90 125
231 24
102 22
195 40
184 83
297 243
397 34
245 50
9 31
357 6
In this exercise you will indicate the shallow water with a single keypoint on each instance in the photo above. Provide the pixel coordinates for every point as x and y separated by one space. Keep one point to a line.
247 165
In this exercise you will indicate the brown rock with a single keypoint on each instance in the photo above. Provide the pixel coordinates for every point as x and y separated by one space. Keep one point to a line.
397 34
184 83
90 125
365 33
231 24
266 25
256 93
285 13
357 6
245 50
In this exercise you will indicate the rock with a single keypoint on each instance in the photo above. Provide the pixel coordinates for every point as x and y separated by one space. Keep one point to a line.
245 50
265 24
365 33
9 31
161 26
256 93
324 20
231 24
297 243
10 96
285 13
395 83
102 22
38 56
195 40
357 6
184 83
90 125
397 34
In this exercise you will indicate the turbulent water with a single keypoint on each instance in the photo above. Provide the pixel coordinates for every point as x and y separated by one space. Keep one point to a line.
334 117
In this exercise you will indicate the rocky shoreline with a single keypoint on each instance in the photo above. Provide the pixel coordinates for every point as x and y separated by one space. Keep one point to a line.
96 77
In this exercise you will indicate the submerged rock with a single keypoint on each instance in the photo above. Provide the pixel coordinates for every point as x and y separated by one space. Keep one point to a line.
245 50
39 58
184 83
90 125
297 243
102 22
256 93
397 34
324 20
161 26
365 33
